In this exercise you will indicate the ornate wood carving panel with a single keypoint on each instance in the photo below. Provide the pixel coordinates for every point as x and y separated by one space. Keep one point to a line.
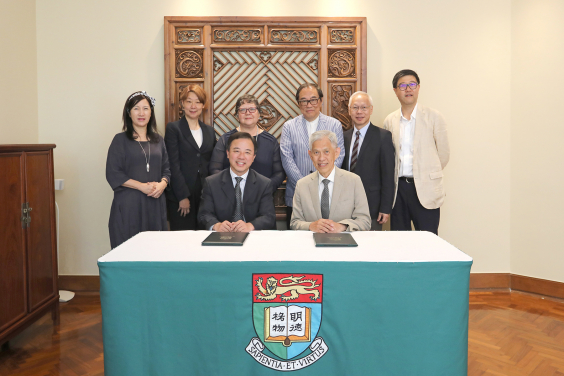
289 36
189 63
340 95
267 57
189 36
341 35
271 76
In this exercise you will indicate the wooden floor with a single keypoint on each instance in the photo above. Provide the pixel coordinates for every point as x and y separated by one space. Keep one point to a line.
510 334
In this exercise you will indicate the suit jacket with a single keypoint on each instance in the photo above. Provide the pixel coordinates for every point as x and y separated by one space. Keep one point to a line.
267 161
375 166
218 201
348 202
186 158
294 144
430 153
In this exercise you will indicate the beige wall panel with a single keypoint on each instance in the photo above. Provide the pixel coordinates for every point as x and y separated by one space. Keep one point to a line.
537 131
92 56
18 72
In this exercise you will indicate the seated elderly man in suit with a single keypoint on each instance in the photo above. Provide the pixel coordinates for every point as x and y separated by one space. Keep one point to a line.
329 199
238 199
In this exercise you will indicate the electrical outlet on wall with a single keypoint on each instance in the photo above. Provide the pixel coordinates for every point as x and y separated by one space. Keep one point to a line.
59 184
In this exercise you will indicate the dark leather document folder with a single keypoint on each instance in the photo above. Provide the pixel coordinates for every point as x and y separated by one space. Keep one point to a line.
334 240
226 238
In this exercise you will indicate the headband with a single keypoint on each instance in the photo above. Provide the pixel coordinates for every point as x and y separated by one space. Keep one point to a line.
144 93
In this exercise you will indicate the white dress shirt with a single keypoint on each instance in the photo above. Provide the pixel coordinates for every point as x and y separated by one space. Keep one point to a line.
241 185
407 130
312 127
360 139
198 136
331 178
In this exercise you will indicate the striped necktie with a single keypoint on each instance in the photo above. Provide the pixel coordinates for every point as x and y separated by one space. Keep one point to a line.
354 155
238 213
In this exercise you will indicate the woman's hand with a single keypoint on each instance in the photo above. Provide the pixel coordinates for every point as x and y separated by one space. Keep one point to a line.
147 188
159 189
184 207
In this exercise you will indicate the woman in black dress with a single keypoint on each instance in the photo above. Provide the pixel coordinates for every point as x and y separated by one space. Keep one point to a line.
137 170
189 143
267 161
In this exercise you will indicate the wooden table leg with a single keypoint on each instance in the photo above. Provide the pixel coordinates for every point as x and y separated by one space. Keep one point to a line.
55 314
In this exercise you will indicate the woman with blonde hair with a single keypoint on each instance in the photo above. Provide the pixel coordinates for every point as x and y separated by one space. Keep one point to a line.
189 143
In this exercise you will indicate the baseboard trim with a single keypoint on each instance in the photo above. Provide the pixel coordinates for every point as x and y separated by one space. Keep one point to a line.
79 282
490 281
537 286
478 281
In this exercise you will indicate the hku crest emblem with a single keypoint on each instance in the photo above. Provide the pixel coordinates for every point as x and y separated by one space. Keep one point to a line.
287 312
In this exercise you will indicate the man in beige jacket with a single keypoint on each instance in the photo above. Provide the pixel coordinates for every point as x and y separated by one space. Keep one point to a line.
422 152
329 199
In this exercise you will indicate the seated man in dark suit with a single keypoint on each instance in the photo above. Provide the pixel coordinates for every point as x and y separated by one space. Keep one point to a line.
238 199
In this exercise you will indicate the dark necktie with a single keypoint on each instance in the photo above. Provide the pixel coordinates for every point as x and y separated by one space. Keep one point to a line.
354 155
325 200
238 214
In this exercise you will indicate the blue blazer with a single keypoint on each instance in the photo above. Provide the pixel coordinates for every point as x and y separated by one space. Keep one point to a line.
294 145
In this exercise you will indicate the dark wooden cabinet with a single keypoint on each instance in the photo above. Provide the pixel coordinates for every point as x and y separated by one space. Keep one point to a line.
28 253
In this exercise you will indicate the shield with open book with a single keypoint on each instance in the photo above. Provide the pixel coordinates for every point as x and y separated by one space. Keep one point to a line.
287 313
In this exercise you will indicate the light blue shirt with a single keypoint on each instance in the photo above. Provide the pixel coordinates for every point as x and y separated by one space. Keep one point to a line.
241 185
360 139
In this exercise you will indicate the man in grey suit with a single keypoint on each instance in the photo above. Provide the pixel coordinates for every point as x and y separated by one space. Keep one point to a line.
422 152
329 200
294 142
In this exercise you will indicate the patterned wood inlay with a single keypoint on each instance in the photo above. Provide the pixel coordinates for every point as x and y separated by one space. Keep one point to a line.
271 76
188 36
340 95
202 49
237 35
341 36
309 36
509 334
515 334
76 349
189 63
342 63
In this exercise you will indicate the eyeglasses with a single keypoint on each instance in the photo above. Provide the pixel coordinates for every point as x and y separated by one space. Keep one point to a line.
250 110
363 108
412 86
305 102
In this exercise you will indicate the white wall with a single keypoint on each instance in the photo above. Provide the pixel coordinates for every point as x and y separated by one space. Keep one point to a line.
537 131
18 72
90 58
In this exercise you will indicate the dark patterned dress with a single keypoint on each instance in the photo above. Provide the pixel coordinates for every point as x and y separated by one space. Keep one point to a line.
133 211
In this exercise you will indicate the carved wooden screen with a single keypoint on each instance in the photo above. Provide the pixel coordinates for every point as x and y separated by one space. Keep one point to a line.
267 57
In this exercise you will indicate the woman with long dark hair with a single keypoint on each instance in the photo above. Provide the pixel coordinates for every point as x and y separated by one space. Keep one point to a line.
138 171
189 143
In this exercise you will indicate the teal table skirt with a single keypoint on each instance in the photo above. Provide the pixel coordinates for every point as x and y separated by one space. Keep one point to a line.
196 318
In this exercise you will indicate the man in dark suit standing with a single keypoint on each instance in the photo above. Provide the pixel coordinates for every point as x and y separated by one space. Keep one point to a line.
238 199
369 153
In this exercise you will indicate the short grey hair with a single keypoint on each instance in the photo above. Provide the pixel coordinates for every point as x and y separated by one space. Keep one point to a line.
316 136
361 93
